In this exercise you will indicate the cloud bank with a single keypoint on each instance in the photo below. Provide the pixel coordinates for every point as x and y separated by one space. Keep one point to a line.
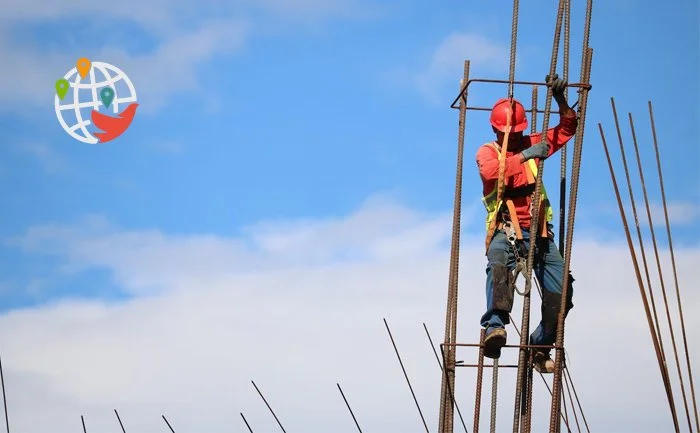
298 306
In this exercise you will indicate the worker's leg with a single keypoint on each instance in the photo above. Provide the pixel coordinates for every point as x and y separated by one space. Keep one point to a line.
549 271
499 290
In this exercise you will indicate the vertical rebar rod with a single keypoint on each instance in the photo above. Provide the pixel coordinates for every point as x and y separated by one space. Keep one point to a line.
637 273
437 357
639 234
661 353
571 399
120 421
4 397
513 43
534 231
168 423
82 420
527 401
246 423
479 382
565 411
578 402
554 423
494 394
563 150
349 408
658 267
268 406
446 422
408 381
673 263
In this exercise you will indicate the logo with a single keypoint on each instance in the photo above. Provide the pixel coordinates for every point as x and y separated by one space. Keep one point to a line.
88 99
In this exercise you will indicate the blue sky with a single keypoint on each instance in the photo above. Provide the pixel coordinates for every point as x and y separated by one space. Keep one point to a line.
279 111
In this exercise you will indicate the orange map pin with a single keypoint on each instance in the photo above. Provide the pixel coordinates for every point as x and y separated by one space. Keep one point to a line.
83 65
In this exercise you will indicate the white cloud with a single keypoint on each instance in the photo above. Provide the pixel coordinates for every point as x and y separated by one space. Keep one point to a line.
298 307
188 35
447 61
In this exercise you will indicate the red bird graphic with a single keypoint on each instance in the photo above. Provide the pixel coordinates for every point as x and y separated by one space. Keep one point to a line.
113 126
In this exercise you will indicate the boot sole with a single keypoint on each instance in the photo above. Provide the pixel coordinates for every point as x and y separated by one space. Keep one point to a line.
492 346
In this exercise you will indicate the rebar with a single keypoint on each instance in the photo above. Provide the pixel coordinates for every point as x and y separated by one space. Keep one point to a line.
658 267
534 229
494 395
446 422
479 382
82 420
168 424
246 423
4 396
268 406
513 44
120 421
563 150
673 263
349 408
661 354
437 357
554 424
638 275
408 381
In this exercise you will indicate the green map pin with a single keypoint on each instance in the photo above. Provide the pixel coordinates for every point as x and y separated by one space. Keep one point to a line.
62 87
107 94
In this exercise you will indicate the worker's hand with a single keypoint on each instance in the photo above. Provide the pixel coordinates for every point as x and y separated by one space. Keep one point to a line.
558 86
539 150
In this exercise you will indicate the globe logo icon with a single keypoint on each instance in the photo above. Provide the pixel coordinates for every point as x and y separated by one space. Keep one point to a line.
89 98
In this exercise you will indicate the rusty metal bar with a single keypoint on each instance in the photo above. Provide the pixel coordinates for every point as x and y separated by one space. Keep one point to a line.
661 352
479 382
673 263
420 412
563 150
514 346
578 402
120 421
4 397
635 263
571 399
349 408
554 424
168 424
446 422
513 45
494 394
658 267
268 406
246 423
437 357
467 83
534 233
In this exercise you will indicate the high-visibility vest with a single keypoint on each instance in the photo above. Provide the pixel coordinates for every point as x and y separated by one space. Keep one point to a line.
493 206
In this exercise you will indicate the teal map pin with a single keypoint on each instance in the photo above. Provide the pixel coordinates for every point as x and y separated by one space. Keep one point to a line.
107 94
62 86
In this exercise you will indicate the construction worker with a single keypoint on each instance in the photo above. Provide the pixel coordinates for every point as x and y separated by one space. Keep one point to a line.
508 222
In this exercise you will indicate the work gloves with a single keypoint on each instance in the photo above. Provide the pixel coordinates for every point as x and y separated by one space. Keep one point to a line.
539 150
558 86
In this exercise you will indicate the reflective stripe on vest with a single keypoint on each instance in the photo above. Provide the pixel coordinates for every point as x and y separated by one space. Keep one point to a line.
492 207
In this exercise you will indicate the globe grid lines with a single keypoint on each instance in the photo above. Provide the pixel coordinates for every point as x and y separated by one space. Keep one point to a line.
77 85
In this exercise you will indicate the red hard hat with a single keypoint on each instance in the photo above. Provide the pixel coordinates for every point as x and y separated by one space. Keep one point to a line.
500 112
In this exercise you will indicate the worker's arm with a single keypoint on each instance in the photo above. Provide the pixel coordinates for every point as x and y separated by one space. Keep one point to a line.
487 160
566 129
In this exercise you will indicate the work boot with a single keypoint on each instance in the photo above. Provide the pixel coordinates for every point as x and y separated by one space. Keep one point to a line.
493 341
542 362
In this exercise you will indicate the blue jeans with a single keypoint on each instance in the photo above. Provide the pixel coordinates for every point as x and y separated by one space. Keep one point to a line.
548 268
